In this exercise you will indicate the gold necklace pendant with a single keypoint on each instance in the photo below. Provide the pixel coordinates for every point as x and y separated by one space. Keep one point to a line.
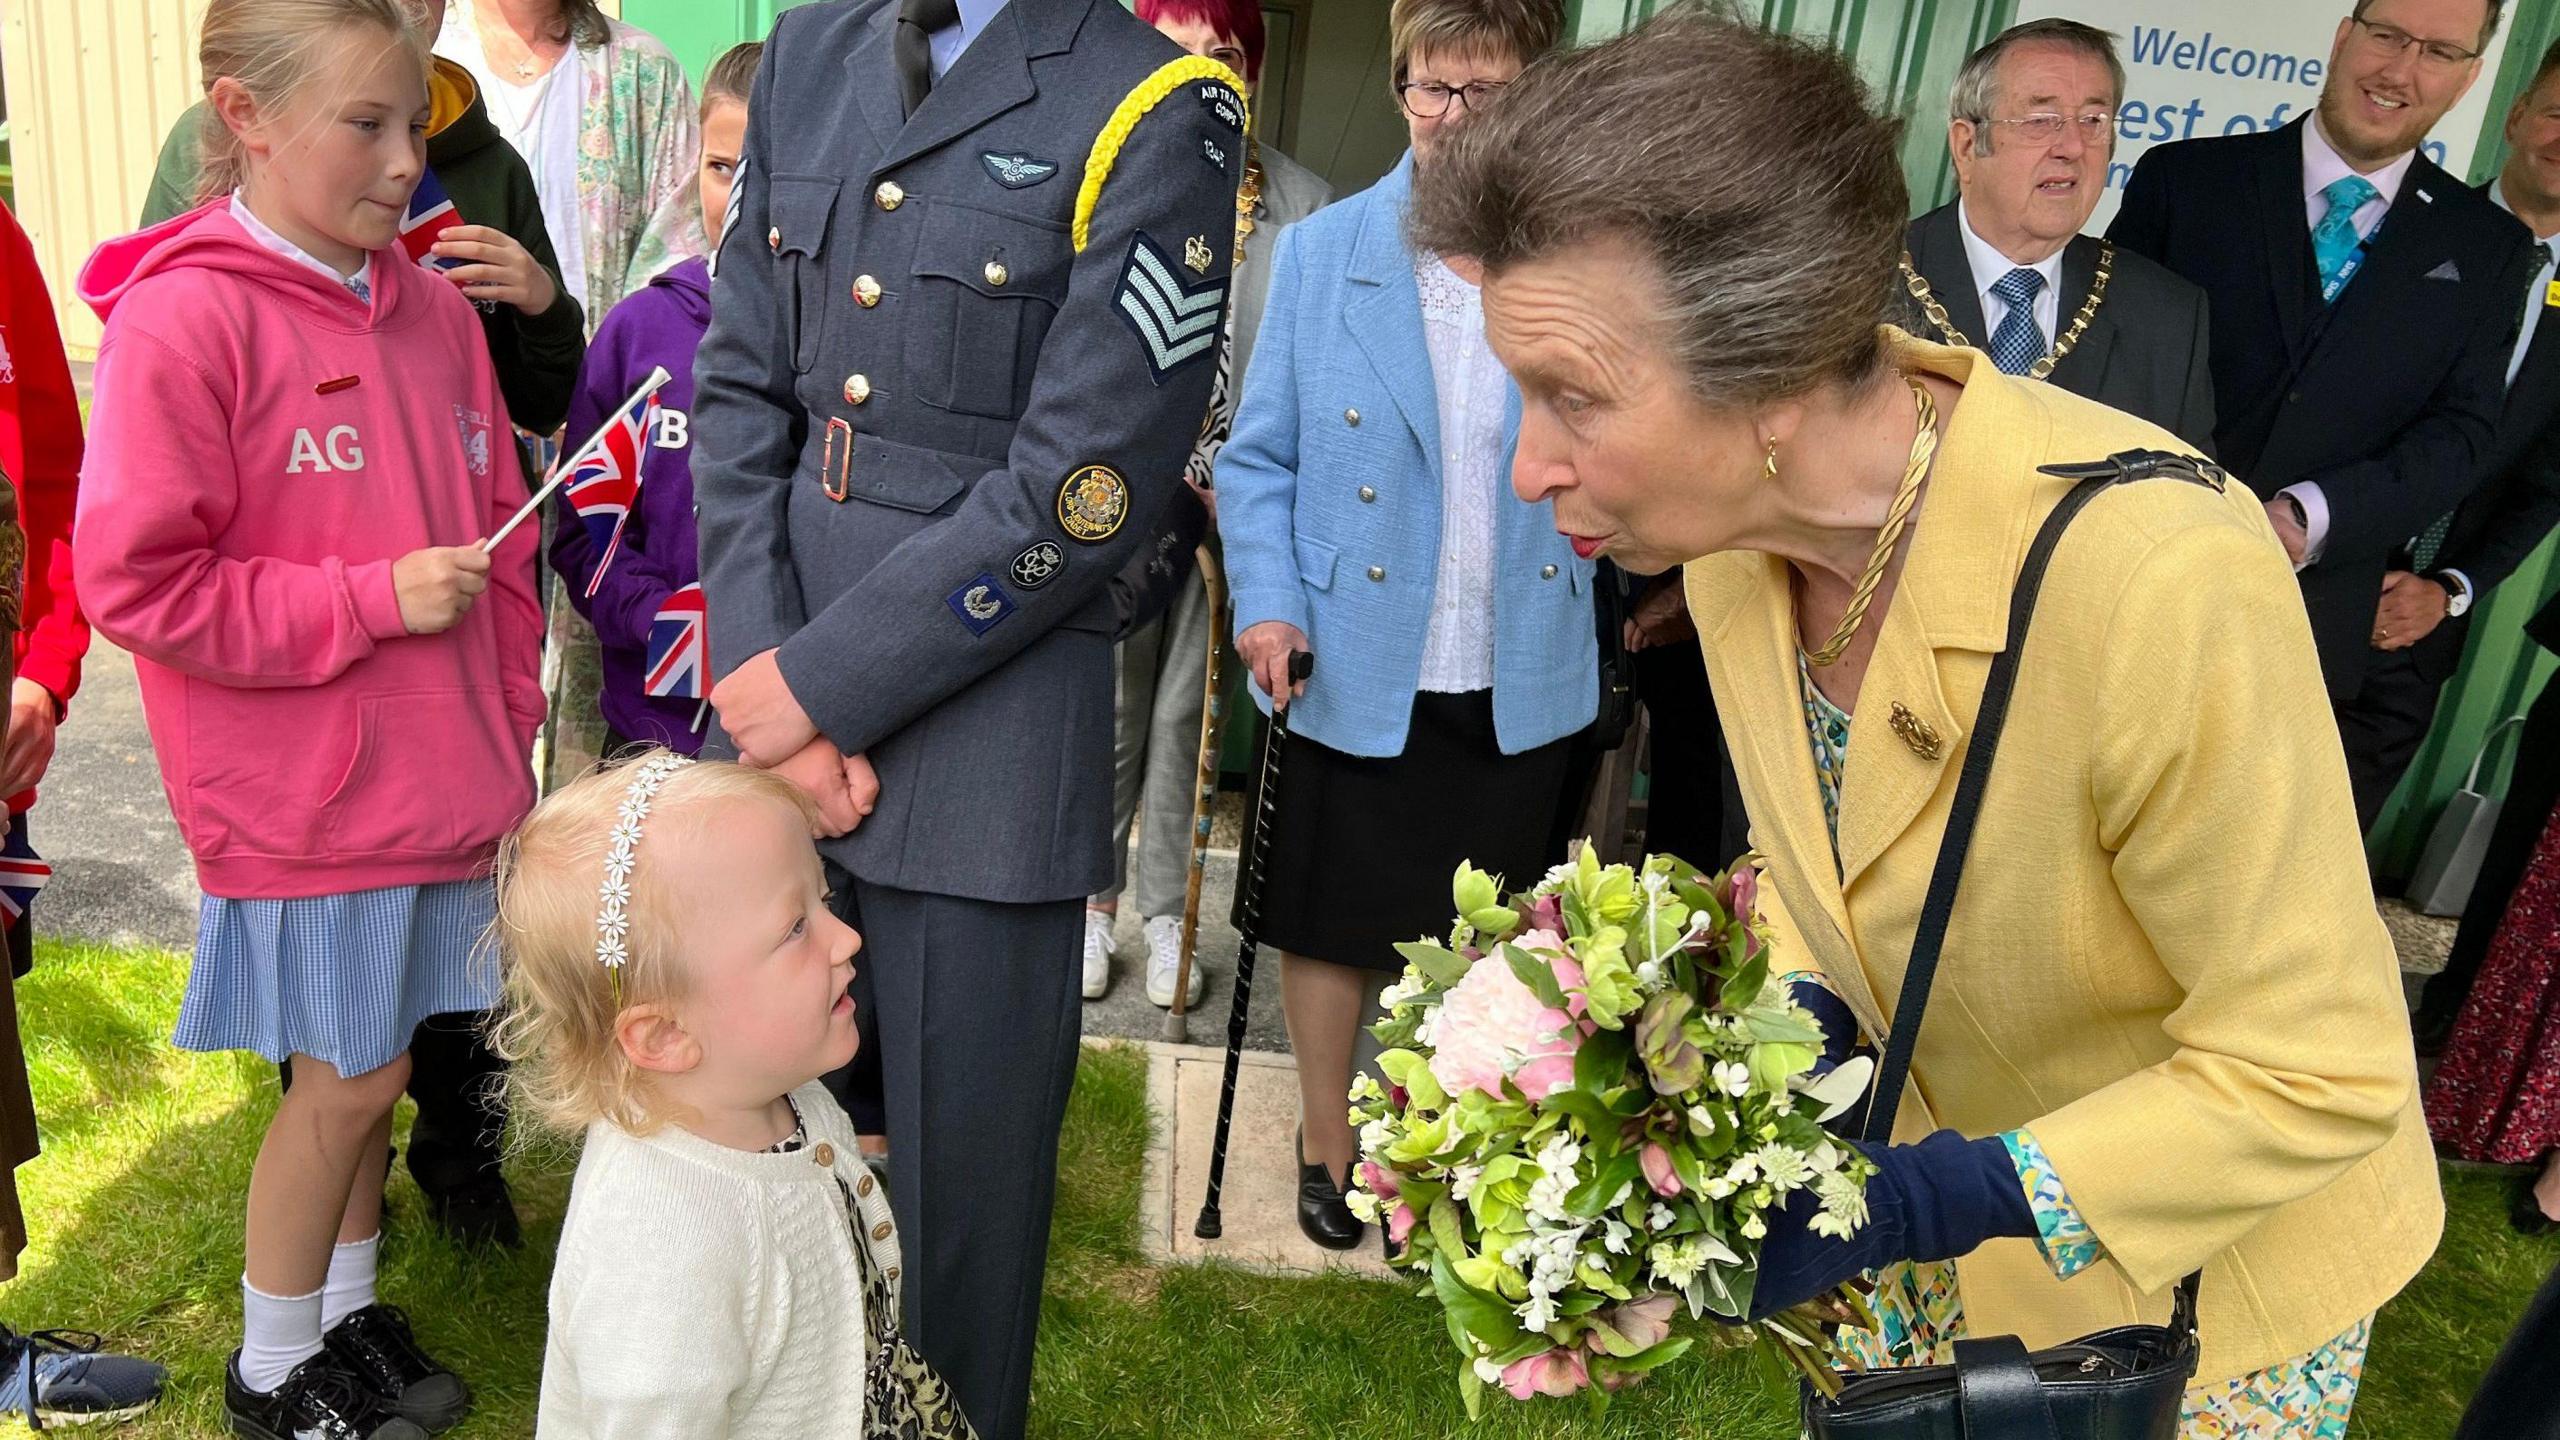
1924 450
1945 325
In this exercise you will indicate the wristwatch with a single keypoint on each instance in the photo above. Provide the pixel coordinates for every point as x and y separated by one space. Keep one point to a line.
2457 595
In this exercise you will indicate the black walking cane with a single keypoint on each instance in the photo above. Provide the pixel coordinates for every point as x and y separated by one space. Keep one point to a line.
1249 934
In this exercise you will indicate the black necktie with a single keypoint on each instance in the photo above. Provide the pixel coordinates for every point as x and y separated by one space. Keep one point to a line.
917 20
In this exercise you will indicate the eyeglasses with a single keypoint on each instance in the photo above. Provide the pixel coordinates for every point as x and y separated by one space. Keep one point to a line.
1430 102
2393 41
2044 127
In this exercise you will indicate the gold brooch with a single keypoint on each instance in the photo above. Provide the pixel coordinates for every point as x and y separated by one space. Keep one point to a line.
1197 255
1915 732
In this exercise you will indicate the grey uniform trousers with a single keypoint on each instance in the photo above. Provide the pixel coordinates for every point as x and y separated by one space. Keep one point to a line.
1155 766
978 1023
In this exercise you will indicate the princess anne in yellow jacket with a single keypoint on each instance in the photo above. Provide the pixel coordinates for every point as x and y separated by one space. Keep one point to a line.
2168 1033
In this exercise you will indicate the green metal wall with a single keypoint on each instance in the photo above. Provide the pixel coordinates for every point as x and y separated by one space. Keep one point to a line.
1910 50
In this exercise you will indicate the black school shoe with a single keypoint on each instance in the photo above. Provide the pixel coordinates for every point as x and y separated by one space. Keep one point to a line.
375 1345
478 1212
320 1400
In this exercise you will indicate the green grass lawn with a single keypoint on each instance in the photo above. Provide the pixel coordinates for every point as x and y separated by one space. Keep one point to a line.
135 1208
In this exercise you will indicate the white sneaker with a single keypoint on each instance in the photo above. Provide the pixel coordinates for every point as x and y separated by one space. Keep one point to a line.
1098 950
1164 959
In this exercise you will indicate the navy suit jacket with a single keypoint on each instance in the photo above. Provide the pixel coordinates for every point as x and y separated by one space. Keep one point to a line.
2387 398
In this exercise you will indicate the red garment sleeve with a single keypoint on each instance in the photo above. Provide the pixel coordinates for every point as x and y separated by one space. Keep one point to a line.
40 445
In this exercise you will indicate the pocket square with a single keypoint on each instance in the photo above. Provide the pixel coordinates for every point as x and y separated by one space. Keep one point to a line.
2446 271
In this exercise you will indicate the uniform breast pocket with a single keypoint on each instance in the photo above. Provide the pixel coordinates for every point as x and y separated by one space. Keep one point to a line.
987 287
801 208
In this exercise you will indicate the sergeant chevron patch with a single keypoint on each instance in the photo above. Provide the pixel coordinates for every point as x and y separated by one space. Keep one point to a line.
1177 322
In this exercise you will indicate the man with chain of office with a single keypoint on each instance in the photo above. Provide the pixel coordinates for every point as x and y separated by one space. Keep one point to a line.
2005 269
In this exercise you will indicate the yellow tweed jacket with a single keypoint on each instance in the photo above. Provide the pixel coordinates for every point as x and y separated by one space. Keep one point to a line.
2164 960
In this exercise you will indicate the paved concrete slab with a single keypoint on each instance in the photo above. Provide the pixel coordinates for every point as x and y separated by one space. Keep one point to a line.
1258 1205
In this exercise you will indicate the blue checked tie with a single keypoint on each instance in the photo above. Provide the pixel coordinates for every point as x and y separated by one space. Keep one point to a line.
2334 239
2017 345
357 287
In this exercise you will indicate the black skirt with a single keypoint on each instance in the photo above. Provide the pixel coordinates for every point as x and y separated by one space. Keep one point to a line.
1361 851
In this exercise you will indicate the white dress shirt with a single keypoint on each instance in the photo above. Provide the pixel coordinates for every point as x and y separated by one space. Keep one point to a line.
949 41
2322 166
1990 267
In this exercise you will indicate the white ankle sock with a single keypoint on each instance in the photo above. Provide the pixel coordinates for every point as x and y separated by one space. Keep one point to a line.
350 1284
279 1332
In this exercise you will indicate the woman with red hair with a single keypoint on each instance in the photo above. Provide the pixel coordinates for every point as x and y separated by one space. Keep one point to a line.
1164 663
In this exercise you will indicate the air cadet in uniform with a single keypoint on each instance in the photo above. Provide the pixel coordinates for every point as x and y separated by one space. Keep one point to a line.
965 322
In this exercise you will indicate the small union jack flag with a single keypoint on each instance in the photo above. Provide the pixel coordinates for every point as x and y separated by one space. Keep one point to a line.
431 213
605 483
22 874
679 647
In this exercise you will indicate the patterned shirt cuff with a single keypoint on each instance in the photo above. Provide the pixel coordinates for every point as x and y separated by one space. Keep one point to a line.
2069 1245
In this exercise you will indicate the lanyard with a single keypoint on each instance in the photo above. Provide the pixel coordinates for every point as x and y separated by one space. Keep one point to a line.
2337 284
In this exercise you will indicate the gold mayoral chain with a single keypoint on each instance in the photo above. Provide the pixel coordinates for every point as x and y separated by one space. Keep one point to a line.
1924 449
2042 369
1248 196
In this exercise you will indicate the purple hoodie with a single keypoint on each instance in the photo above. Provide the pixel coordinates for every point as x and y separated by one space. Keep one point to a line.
661 324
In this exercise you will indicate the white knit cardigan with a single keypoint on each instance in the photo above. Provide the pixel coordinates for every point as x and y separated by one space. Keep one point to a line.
703 1291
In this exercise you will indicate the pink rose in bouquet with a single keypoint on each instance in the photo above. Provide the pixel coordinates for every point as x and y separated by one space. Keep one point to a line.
1557 1372
1492 1027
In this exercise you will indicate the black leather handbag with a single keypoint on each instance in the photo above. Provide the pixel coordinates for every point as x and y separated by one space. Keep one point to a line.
2122 1384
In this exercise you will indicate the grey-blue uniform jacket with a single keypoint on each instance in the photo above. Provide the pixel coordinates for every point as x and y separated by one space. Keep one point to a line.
928 429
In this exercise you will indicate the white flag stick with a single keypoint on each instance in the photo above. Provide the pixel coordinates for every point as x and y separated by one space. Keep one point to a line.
560 470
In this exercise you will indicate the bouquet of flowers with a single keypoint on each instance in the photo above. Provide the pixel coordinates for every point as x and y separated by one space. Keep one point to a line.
1597 1093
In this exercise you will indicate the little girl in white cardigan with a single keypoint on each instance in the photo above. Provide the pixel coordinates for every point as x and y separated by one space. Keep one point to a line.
675 985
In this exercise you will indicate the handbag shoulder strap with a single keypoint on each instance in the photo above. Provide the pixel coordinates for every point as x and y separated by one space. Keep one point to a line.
1999 1393
2094 479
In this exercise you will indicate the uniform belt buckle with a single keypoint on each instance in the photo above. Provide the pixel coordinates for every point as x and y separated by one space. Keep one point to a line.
835 468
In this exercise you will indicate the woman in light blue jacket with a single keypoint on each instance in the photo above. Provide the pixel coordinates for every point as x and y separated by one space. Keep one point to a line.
1365 499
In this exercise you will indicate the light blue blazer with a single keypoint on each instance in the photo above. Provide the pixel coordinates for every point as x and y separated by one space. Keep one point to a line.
1329 500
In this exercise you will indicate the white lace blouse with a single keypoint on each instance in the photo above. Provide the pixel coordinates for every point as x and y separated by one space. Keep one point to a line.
1457 651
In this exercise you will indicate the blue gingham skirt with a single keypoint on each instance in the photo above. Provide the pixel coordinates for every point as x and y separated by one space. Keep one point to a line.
341 978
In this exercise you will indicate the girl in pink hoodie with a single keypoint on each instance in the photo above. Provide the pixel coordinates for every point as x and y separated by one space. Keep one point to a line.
298 444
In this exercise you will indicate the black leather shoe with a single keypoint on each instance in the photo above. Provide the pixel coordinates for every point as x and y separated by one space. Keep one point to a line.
1322 1216
2525 1211
320 1400
478 1212
376 1346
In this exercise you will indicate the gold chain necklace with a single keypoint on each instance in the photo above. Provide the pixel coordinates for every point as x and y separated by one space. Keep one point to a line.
2042 369
1924 449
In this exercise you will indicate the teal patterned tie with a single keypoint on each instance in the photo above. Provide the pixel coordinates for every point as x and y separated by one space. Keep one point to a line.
2334 239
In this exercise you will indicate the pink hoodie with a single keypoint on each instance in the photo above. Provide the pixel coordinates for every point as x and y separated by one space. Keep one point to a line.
264 445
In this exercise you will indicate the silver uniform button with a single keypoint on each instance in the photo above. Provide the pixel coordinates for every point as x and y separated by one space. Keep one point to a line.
1368 496
857 389
890 195
1377 572
1351 418
1549 573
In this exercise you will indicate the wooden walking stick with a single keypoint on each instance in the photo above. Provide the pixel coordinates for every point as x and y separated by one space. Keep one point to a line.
1213 728
1249 934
